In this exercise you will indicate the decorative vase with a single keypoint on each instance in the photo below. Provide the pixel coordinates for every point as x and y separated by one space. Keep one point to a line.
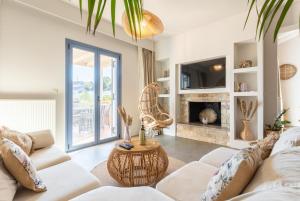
127 137
246 133
243 87
205 120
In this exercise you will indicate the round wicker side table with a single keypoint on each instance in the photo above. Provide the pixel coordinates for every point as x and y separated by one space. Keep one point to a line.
140 166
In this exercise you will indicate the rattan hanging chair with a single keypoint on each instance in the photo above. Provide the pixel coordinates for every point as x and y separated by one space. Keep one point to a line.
151 113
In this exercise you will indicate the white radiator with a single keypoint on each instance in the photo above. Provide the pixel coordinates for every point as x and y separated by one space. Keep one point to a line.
28 115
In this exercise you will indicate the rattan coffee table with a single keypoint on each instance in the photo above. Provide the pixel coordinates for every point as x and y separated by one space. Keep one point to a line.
140 166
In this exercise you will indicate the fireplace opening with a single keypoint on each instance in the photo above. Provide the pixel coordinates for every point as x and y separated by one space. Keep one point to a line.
205 113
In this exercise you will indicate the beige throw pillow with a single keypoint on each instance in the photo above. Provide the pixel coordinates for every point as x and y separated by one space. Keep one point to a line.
41 139
280 169
21 139
20 166
233 176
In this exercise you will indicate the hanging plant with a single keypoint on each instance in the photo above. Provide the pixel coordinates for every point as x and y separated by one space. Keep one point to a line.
133 9
266 15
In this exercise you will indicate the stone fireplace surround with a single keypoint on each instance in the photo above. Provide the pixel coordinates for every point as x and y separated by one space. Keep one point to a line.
218 134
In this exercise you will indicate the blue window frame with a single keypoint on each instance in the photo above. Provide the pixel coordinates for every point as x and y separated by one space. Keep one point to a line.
93 92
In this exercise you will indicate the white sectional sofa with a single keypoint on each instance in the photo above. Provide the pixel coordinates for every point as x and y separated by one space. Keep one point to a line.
278 178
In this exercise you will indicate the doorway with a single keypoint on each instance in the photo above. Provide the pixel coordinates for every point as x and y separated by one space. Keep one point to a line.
93 95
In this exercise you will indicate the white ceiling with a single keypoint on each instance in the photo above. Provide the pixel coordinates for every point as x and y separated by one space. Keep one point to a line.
181 15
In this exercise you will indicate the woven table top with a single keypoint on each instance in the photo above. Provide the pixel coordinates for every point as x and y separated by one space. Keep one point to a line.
151 144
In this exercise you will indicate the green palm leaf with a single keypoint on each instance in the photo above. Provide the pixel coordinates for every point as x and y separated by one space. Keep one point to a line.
99 13
133 9
282 17
113 16
267 13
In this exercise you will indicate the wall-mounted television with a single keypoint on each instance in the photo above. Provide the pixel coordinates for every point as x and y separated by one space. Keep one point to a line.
204 74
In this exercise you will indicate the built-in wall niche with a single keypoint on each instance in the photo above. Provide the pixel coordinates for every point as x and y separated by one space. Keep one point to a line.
164 88
239 118
162 70
245 51
165 104
247 85
245 82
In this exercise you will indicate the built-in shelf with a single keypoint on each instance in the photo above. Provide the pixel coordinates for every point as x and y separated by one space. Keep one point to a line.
247 93
252 77
246 70
163 79
164 95
162 71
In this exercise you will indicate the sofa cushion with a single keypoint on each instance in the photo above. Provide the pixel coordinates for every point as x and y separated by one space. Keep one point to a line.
188 182
64 182
21 139
20 166
281 169
272 194
233 176
218 156
109 193
41 139
47 157
288 139
8 185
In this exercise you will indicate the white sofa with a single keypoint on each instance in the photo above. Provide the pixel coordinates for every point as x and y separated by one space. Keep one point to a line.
190 182
63 177
278 178
64 181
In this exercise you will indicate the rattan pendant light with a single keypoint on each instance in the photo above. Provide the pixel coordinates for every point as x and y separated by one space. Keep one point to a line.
151 25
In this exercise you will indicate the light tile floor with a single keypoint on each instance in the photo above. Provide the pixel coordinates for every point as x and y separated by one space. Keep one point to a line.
183 149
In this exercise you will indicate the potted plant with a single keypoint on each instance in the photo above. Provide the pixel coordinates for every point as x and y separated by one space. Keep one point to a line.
278 125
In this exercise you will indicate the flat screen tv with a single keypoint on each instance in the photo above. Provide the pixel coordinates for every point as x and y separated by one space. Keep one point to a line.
204 74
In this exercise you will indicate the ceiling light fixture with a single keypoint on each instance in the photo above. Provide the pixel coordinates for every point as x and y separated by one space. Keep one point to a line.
151 25
218 67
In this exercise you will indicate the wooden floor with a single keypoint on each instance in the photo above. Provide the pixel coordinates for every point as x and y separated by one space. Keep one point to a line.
176 147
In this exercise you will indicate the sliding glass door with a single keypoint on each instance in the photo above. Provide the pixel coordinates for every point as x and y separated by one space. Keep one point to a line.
92 83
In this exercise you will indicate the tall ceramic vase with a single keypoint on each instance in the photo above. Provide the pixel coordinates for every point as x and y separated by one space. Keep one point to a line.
246 133
127 137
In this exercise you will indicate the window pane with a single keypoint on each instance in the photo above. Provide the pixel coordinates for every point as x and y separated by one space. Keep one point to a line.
108 104
83 113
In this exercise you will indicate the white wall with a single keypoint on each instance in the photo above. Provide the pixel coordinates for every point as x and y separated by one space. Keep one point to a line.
288 53
32 59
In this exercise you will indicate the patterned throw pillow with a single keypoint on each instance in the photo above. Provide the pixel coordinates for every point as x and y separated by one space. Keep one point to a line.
20 166
267 144
21 139
233 176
